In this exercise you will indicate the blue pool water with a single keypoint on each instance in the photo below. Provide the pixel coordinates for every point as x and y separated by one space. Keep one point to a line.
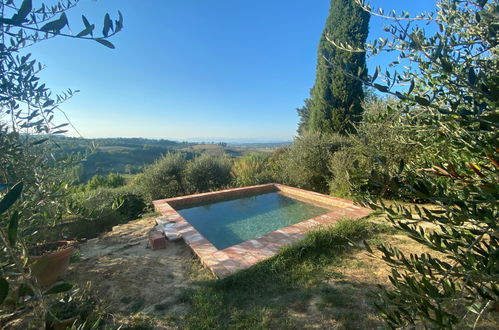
230 222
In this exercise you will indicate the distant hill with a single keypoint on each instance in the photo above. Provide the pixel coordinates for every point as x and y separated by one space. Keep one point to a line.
233 140
114 155
130 155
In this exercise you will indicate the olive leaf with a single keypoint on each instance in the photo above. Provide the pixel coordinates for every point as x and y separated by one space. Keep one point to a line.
57 25
10 198
105 43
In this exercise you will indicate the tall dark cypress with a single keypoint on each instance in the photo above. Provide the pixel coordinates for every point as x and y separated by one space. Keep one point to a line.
304 114
336 97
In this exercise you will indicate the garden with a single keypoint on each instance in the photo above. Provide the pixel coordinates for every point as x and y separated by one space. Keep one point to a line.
415 143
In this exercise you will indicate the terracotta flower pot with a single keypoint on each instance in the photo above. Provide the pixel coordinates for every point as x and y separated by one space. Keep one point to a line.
50 266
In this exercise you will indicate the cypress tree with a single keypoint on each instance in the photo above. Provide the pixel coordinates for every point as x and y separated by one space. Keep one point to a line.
304 113
336 97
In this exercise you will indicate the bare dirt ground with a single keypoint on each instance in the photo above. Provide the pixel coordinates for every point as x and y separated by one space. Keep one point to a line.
128 277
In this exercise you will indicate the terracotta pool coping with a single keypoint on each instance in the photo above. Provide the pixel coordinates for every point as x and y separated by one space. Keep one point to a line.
244 255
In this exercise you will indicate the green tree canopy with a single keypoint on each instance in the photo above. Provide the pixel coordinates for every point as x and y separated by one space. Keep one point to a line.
449 108
336 96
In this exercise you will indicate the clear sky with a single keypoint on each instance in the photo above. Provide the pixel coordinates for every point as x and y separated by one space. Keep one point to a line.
195 68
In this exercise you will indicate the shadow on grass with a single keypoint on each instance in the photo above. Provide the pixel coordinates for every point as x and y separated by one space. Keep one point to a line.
292 282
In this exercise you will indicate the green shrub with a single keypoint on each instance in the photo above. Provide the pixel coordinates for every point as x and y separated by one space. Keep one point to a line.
207 172
95 182
92 227
251 170
305 164
341 165
113 180
164 178
124 200
131 206
376 150
172 175
275 165
83 226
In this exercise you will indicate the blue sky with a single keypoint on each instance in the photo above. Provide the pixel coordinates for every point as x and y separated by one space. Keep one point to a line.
191 68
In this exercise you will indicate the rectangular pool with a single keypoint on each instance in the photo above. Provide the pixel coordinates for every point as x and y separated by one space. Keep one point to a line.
233 229
230 222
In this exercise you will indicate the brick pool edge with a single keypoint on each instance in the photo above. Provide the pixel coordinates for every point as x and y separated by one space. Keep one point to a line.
244 255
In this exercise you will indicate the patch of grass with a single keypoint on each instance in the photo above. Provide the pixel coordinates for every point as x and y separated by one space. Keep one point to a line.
354 264
259 297
76 256
184 296
139 321
197 272
386 228
150 214
382 231
337 296
170 318
376 241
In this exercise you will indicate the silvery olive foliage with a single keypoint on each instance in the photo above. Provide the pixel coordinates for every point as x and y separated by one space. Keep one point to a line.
446 80
27 109
26 102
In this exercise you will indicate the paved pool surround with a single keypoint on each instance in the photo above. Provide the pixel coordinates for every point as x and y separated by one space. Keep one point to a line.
244 255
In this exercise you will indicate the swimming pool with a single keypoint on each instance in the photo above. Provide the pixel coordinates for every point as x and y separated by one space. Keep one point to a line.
230 222
233 229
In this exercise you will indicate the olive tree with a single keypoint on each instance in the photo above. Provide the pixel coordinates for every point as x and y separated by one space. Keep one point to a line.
207 172
449 95
27 109
164 178
305 164
251 169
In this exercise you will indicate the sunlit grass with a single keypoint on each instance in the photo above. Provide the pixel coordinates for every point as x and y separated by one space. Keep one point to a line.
261 296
